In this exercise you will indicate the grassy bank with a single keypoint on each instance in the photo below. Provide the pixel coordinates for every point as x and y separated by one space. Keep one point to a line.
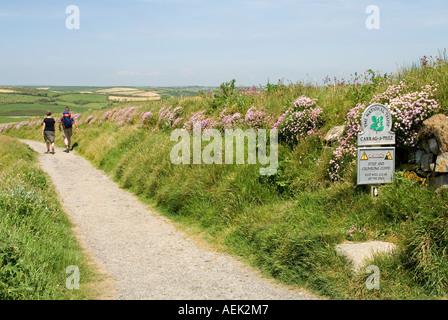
288 224
36 240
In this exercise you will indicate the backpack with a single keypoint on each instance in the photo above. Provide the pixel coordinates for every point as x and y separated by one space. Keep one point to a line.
67 120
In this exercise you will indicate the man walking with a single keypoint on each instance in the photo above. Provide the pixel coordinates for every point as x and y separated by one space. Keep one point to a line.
67 122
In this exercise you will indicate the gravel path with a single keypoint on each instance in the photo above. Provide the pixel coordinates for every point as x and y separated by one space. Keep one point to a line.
141 250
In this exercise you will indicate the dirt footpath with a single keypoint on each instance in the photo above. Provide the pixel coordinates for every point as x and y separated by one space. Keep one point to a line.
141 250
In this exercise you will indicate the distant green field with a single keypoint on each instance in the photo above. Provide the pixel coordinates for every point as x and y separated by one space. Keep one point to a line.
16 97
25 109
31 102
177 91
8 119
89 98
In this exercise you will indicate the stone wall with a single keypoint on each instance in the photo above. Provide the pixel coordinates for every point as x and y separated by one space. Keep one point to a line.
430 160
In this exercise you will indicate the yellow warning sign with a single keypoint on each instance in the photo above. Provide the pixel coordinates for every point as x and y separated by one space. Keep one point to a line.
388 156
364 157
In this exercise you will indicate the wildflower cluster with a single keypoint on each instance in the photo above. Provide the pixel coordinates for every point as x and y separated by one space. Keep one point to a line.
408 110
424 62
76 116
89 119
230 120
254 118
433 62
251 91
353 229
281 119
200 117
21 124
300 121
257 118
347 147
107 115
209 123
169 117
147 117
122 116
31 123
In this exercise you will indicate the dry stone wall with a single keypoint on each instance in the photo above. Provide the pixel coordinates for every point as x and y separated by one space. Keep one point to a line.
431 157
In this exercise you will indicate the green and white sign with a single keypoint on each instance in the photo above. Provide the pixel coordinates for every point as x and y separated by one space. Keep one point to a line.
376 165
376 123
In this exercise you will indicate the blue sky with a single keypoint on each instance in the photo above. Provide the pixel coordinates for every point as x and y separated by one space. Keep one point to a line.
208 42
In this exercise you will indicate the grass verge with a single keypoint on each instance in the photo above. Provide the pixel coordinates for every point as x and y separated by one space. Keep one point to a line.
37 243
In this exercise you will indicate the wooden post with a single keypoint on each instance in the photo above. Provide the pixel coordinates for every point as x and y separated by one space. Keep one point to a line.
372 190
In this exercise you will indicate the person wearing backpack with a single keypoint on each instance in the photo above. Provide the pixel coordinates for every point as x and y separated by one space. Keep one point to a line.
67 122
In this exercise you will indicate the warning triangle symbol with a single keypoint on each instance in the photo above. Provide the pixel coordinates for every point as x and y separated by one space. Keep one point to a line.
364 157
388 156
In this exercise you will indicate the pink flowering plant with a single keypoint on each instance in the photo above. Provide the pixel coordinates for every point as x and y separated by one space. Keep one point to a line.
89 119
347 149
300 121
358 233
76 116
170 117
209 123
123 116
195 117
20 125
251 91
257 118
202 118
408 110
228 121
107 115
147 118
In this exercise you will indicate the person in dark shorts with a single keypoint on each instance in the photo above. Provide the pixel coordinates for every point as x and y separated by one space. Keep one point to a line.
67 122
48 132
